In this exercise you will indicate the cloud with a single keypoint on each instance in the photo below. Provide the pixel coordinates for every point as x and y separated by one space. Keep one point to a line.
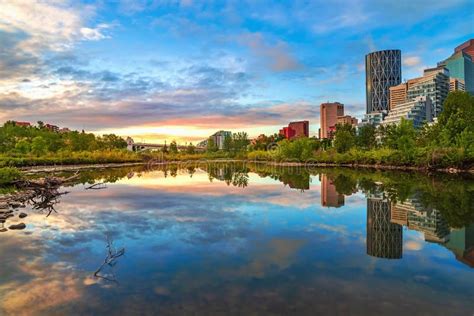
276 56
94 34
30 30
411 61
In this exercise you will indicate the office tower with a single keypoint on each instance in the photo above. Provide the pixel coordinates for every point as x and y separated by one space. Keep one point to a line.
219 138
456 84
347 120
434 84
418 111
461 64
466 47
329 112
329 195
383 69
295 130
398 95
384 239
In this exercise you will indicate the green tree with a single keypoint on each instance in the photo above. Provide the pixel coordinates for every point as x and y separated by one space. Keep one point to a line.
190 149
366 137
112 141
39 146
240 141
343 141
227 143
211 145
23 147
173 147
344 138
457 118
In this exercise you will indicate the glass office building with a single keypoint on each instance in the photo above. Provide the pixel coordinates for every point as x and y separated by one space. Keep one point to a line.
383 69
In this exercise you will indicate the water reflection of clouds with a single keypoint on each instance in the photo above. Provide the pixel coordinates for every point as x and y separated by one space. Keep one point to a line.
210 242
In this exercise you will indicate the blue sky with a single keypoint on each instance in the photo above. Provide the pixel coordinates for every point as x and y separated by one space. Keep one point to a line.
162 70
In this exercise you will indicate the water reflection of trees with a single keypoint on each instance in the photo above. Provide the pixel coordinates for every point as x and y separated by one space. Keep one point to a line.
441 206
235 174
452 195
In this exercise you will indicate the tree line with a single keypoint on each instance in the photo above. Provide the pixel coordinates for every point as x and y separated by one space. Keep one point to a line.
39 140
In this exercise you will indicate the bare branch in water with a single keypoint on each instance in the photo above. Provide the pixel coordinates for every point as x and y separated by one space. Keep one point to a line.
97 186
110 260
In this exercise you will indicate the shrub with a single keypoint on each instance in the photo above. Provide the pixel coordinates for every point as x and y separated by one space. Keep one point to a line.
8 175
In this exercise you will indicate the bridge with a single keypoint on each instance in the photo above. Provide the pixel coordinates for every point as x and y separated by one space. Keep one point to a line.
140 146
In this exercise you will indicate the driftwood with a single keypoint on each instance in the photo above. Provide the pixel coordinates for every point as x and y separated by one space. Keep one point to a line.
47 182
43 194
97 186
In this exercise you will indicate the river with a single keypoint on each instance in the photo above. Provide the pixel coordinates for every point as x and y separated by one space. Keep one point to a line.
244 239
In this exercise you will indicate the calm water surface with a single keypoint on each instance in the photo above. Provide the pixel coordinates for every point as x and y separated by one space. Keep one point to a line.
245 240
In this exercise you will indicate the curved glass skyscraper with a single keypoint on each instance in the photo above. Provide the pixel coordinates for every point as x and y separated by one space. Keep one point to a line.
383 69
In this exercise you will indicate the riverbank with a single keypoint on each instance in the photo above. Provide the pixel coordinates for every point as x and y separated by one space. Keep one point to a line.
62 168
309 164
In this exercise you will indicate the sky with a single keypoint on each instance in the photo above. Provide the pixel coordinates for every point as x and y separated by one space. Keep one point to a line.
162 69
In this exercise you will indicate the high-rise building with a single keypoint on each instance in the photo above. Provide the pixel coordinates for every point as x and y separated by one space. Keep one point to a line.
384 238
329 195
329 112
375 118
461 64
383 69
347 120
295 130
456 84
219 138
418 111
466 47
398 95
434 84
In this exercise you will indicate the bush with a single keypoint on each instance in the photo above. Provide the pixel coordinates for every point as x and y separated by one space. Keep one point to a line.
8 175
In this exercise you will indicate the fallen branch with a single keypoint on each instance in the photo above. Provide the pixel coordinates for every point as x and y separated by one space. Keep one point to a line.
97 186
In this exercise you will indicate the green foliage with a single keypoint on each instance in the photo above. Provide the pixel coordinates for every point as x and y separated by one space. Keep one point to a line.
39 146
8 175
300 149
366 137
190 149
173 147
23 147
211 145
26 140
164 150
240 142
344 138
457 117
227 143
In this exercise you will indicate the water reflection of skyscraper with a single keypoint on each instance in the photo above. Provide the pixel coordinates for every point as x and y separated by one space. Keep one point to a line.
385 220
329 195
429 221
384 238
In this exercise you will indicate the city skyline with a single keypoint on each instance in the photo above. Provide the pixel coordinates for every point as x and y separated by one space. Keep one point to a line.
159 71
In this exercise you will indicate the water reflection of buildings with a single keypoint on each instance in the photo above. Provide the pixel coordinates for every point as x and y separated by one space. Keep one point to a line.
329 195
428 221
461 243
384 238
385 221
